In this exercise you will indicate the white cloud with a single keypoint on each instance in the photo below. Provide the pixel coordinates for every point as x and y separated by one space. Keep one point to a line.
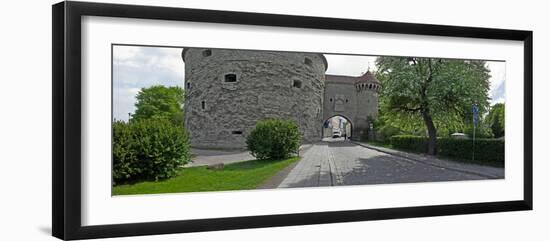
149 57
497 81
349 65
121 53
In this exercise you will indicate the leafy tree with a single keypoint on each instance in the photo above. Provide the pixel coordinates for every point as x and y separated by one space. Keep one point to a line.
495 120
483 130
436 94
160 102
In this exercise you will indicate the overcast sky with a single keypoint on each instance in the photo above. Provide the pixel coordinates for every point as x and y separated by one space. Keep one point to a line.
138 67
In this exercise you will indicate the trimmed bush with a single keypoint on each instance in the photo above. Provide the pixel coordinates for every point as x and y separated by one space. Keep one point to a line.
150 149
410 143
486 150
273 139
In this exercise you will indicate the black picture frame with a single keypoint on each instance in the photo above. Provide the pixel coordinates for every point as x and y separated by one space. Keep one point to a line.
66 127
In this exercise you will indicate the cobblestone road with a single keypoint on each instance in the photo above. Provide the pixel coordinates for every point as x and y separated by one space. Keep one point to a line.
345 163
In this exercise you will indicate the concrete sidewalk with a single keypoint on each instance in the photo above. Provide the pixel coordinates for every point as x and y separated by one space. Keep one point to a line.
205 157
311 171
486 171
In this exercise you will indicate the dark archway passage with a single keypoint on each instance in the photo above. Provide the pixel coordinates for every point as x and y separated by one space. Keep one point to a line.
337 126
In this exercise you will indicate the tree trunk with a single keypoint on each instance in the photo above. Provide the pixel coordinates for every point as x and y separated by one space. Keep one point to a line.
432 132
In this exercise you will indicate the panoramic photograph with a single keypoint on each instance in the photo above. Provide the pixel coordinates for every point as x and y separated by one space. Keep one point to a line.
194 119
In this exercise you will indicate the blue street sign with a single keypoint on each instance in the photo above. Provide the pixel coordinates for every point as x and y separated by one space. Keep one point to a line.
475 114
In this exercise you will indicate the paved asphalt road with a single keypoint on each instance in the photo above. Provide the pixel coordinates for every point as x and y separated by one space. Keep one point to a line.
337 162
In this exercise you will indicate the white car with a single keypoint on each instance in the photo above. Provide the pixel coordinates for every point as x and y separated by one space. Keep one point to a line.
336 133
459 136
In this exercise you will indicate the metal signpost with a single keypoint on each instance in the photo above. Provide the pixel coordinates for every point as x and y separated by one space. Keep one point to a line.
475 117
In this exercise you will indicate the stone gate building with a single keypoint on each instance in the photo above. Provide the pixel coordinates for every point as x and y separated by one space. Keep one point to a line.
228 91
354 98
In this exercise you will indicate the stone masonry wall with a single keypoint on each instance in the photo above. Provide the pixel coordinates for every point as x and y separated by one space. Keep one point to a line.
220 114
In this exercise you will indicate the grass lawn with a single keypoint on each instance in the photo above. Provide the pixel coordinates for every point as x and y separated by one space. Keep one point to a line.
236 176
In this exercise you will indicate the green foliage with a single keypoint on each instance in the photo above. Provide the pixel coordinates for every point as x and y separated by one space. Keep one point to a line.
388 131
495 120
148 149
384 129
274 139
482 130
419 93
486 150
451 86
125 162
160 102
410 143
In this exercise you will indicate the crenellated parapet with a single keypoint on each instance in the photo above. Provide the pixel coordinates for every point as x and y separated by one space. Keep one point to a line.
368 82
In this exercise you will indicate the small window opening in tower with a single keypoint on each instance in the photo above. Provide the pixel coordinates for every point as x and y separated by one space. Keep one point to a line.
346 100
308 61
203 104
206 53
237 132
297 84
188 85
330 100
230 78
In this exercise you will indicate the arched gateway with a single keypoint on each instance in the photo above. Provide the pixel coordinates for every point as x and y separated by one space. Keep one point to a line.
339 123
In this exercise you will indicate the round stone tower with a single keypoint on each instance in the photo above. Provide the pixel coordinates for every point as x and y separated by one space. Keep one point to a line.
367 87
228 91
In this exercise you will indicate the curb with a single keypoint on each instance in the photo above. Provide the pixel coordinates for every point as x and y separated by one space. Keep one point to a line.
408 156
303 149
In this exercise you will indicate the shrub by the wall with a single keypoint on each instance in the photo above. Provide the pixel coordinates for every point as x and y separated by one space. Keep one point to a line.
486 150
148 149
274 139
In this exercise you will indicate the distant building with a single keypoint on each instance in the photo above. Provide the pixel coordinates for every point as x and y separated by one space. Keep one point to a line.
228 91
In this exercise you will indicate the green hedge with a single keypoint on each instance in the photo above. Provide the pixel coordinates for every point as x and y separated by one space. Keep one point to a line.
486 150
273 139
410 143
150 149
